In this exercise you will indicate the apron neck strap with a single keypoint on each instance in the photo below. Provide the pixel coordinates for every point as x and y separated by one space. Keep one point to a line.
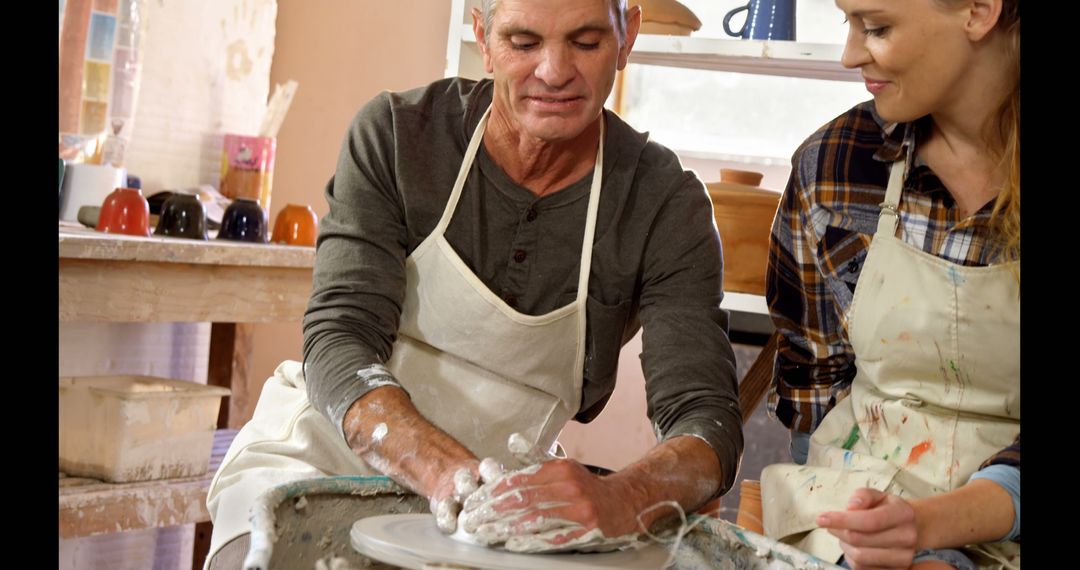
463 174
590 220
889 219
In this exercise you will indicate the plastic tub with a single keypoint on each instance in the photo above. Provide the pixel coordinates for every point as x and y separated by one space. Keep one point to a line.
136 428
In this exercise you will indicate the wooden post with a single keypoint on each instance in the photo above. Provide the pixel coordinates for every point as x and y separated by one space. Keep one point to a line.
202 544
230 366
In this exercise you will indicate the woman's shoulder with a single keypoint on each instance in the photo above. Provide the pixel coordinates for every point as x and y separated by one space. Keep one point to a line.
858 124
853 137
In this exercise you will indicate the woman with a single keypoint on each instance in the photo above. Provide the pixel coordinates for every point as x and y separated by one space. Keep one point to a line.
910 381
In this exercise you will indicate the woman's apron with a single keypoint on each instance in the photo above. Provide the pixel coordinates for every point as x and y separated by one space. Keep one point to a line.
936 392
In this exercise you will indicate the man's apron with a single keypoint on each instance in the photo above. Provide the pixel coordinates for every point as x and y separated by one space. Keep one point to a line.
472 365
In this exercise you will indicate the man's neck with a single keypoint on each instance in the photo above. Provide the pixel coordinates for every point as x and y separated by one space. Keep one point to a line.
541 166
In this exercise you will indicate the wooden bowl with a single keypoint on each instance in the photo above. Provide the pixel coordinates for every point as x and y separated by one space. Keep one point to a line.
667 17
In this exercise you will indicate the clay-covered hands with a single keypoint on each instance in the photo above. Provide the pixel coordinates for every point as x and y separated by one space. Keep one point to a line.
456 486
876 531
552 505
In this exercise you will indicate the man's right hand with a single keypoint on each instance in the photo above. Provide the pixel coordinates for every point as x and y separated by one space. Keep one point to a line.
386 430
452 491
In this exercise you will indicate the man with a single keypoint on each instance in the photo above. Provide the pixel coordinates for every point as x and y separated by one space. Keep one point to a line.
477 274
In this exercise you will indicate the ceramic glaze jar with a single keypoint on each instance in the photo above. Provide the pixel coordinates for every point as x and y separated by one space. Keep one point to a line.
296 225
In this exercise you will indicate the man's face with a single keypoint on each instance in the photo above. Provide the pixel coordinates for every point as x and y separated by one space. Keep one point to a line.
553 63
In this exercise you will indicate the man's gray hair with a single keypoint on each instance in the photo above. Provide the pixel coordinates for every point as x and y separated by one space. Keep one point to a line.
487 8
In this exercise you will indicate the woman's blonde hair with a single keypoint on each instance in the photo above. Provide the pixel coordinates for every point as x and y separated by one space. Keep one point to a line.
1002 137
1004 134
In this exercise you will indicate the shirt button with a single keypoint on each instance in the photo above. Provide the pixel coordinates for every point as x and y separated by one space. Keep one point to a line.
853 265
531 215
519 256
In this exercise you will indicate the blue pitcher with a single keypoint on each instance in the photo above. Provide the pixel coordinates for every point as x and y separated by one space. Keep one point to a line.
765 20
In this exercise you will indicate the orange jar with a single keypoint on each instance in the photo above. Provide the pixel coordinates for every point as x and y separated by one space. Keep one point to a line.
296 225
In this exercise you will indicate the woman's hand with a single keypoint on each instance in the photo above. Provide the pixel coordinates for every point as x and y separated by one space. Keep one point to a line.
877 530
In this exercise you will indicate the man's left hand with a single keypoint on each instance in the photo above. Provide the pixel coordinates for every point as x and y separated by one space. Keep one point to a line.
551 506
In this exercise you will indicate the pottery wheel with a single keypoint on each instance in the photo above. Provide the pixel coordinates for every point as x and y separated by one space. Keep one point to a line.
412 540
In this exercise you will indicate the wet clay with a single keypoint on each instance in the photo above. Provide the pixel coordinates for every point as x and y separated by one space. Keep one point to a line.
313 530
313 533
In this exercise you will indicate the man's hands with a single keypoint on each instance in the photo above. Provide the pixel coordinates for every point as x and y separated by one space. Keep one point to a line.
455 486
555 505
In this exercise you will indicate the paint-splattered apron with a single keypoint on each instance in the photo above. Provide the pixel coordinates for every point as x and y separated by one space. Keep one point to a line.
472 365
937 390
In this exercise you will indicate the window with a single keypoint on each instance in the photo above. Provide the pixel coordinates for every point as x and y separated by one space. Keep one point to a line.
739 117
732 116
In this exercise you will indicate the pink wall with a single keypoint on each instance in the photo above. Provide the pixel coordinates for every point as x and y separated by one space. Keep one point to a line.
621 434
342 53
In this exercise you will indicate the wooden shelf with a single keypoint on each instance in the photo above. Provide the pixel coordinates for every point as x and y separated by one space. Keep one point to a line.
745 303
761 57
748 313
91 506
118 278
78 242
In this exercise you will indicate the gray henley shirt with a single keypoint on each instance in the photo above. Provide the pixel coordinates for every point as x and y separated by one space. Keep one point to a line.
657 261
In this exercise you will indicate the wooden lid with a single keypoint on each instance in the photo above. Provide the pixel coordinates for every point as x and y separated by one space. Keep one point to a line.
726 192
668 12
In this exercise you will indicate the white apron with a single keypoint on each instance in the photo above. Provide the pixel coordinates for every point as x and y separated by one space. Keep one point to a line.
473 366
936 392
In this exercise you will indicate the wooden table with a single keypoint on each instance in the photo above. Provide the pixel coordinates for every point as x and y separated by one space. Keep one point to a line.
117 278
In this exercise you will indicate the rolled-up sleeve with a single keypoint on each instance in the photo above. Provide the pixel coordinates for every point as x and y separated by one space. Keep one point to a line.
358 283
689 365
815 363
